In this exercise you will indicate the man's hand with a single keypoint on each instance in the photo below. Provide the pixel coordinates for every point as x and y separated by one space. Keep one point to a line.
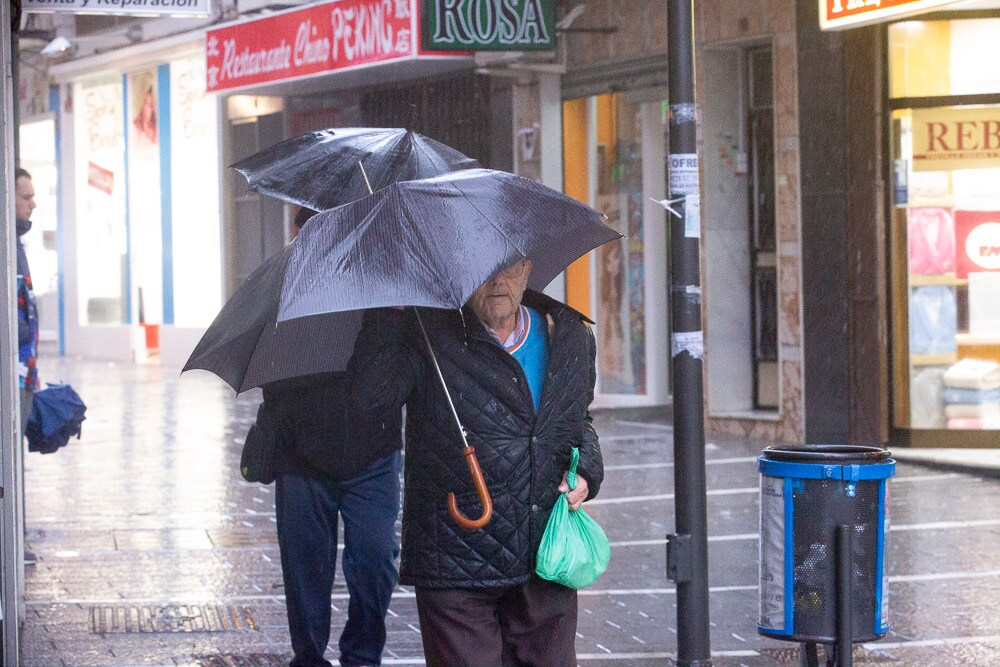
577 495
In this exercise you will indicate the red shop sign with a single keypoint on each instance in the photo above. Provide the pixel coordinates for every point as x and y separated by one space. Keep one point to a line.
339 35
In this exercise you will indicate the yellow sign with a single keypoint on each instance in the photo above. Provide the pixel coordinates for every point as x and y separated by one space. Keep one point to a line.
952 138
838 14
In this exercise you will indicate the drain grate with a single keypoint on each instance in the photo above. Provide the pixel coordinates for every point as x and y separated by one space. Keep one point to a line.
173 618
252 660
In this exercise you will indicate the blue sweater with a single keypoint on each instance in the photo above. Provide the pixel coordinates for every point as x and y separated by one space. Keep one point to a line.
533 353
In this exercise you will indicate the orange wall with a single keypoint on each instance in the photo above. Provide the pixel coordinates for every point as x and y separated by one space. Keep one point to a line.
576 183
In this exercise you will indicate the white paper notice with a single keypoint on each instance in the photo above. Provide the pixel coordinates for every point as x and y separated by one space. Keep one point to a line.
692 216
683 173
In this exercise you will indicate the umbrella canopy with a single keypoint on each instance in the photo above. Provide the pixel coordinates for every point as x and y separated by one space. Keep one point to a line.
433 242
320 169
247 347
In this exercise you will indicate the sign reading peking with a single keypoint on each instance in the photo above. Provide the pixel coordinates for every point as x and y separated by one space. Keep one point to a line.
129 7
956 138
332 36
489 25
839 14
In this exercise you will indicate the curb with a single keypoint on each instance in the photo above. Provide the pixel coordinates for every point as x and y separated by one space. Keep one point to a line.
983 462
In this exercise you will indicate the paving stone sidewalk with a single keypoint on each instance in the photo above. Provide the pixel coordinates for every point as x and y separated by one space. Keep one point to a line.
153 550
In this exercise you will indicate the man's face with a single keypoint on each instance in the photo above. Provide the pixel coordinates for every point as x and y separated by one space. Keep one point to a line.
24 198
498 298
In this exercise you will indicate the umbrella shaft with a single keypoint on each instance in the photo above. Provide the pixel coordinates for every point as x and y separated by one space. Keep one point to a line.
437 369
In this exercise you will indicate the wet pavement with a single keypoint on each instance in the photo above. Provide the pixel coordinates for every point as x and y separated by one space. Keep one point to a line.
152 550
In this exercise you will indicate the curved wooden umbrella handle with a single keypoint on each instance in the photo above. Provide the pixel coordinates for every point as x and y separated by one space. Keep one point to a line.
484 495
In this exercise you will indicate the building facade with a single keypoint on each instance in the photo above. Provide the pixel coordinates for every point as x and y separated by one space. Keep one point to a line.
850 171
843 175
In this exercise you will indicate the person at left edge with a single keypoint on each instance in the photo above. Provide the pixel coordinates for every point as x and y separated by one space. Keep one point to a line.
27 311
331 464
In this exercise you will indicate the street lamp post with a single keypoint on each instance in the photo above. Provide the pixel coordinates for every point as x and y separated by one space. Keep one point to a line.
687 549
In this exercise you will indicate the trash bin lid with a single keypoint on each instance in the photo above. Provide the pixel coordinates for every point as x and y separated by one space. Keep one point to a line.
840 454
846 462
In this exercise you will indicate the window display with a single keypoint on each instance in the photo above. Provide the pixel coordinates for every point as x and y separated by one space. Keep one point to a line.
621 347
946 222
102 240
197 253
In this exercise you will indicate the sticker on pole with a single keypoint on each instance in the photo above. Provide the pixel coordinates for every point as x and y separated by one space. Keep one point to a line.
691 342
683 169
772 552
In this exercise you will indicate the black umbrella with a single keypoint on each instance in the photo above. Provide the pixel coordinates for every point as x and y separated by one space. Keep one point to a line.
432 243
247 347
320 169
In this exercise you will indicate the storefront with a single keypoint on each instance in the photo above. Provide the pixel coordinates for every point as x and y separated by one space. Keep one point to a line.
140 176
944 107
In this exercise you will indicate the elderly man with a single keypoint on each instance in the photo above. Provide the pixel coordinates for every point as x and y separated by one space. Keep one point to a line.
520 369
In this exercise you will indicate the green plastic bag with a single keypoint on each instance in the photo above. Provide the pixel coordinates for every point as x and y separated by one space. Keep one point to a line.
574 551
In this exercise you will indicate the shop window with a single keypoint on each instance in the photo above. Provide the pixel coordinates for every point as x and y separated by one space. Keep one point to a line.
945 232
195 227
620 308
934 58
145 135
614 155
102 239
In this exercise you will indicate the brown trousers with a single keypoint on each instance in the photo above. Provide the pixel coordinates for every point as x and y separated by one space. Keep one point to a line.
530 624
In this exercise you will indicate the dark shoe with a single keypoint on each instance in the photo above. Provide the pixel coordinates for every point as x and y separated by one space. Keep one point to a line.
29 557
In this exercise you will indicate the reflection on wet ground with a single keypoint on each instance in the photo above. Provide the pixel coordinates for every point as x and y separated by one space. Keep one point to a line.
152 550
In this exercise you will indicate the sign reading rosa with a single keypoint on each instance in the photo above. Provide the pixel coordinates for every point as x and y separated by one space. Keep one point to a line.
983 246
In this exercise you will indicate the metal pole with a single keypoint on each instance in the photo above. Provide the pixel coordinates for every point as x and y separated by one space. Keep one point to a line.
11 532
687 551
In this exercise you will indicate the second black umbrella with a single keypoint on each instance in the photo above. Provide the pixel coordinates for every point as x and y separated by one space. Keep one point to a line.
320 169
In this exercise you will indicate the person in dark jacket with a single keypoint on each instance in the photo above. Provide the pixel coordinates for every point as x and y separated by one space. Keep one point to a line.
331 461
520 370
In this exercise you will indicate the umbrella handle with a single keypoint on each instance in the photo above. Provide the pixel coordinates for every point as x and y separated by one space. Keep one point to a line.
481 490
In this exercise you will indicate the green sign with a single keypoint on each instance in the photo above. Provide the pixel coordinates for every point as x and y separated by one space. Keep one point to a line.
488 25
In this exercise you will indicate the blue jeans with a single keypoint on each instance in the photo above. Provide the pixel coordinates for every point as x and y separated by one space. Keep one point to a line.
307 536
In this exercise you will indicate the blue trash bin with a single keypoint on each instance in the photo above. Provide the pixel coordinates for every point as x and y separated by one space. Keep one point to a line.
805 493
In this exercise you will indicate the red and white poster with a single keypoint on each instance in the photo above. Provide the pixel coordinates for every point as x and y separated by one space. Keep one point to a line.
344 34
977 242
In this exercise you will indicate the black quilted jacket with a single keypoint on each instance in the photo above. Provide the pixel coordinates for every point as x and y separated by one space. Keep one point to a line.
523 455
